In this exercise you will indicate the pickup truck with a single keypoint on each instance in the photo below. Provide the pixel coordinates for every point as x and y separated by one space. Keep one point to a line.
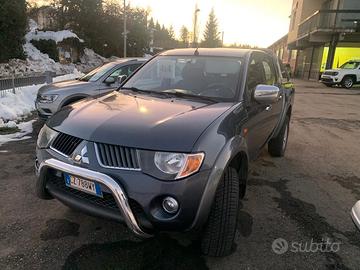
347 75
170 149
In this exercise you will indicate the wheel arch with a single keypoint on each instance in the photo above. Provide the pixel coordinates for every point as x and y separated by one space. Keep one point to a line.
72 99
235 154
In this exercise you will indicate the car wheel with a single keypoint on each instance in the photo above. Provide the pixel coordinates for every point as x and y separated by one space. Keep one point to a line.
277 145
328 84
347 82
219 232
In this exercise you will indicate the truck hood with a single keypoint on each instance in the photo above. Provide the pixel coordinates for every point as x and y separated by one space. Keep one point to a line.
64 85
141 121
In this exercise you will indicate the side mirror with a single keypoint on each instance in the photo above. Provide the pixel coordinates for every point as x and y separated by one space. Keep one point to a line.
120 79
266 94
109 80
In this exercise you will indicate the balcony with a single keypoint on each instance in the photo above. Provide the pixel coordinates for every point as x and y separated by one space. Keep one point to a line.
319 27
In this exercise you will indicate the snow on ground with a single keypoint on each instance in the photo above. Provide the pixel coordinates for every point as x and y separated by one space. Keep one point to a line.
25 129
14 106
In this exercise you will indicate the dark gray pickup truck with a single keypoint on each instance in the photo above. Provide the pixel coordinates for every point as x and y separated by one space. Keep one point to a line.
169 151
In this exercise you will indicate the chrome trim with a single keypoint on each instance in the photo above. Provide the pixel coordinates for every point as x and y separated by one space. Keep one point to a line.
58 152
116 168
355 214
118 193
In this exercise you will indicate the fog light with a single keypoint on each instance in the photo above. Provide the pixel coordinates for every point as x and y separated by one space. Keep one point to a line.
170 205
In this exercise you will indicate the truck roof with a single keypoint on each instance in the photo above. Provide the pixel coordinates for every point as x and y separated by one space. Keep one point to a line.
225 52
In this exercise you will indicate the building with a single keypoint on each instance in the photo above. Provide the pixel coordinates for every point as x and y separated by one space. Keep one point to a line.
317 29
45 16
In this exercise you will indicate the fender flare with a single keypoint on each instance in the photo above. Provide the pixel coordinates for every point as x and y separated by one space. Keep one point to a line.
233 147
74 96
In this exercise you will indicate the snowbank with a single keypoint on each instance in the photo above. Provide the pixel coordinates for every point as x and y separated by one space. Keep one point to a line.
25 128
14 106
38 62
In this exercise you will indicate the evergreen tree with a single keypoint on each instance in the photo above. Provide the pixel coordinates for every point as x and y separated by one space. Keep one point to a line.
211 34
184 36
13 23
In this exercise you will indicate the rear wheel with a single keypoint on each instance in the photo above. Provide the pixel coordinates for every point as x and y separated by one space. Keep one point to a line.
347 82
219 232
277 145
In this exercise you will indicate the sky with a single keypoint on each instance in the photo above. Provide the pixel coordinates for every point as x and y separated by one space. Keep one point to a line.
254 22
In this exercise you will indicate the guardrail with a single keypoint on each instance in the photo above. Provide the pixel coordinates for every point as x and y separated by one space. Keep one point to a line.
330 21
11 84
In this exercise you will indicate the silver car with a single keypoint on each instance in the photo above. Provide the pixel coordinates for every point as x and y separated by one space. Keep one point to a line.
106 78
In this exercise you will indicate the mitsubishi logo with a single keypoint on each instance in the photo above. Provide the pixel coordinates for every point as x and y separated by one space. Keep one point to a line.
82 157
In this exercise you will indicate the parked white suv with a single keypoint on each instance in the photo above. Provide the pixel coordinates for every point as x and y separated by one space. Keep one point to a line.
347 75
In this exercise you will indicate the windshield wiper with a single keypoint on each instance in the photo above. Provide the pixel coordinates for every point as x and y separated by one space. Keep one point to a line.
181 94
149 92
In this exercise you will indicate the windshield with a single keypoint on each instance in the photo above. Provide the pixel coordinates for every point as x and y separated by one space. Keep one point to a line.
200 76
97 73
350 65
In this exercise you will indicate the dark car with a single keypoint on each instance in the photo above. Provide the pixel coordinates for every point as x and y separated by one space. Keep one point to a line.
101 80
169 150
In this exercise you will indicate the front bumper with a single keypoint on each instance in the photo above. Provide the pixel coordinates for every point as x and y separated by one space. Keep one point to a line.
329 79
116 190
143 192
355 214
45 110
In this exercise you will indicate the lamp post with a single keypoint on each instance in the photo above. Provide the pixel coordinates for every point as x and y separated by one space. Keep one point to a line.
125 31
195 26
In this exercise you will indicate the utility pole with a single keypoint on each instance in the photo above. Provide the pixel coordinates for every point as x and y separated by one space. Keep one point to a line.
125 31
195 26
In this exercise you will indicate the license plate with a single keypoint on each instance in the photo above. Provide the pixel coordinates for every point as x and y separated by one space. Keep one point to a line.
83 185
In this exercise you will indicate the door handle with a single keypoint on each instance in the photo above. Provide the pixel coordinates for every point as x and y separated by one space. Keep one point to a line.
268 108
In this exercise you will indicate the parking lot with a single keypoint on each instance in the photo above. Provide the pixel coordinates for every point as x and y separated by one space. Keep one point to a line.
304 199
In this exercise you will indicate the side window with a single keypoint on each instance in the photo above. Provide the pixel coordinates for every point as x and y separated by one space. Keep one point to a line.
119 71
125 70
270 76
255 76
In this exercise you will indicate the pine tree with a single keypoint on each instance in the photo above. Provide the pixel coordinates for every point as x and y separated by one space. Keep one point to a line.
184 36
13 22
211 34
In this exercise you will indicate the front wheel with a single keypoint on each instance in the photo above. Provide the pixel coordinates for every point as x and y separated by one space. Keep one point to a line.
328 84
219 232
347 82
277 145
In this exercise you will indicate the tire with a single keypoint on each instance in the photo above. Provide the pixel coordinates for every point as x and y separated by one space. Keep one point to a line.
328 84
347 82
219 232
277 145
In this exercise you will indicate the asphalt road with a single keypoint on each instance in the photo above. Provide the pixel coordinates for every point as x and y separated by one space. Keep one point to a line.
303 198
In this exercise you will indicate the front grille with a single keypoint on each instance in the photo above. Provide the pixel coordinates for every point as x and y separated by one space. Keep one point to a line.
107 200
66 144
115 156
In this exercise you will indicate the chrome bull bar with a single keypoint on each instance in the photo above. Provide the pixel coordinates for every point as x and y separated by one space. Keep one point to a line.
118 193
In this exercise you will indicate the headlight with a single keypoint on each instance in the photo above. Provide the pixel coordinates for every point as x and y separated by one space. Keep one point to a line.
46 136
178 164
47 98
